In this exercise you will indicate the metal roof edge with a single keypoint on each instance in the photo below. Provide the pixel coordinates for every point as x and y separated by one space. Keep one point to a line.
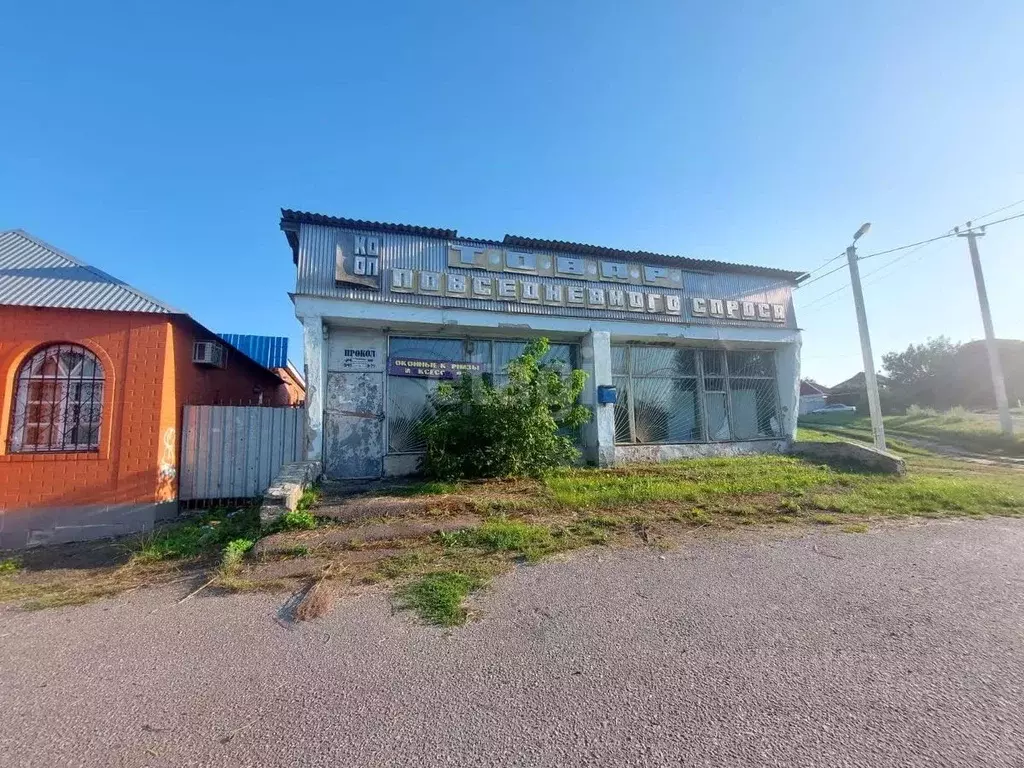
296 374
95 270
290 220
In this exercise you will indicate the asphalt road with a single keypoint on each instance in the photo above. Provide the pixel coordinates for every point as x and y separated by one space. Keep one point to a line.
901 647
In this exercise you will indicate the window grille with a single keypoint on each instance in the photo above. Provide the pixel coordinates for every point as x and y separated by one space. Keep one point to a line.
58 402
408 398
673 395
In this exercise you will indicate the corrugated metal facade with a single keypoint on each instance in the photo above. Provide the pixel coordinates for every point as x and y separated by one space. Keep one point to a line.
35 274
268 351
316 269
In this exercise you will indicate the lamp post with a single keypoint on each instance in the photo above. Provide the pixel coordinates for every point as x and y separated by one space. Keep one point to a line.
870 380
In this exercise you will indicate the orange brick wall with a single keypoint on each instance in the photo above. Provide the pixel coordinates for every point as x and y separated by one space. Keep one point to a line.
233 384
131 348
295 392
149 375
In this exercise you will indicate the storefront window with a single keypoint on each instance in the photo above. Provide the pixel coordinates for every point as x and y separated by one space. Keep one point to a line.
754 394
671 395
408 398
657 395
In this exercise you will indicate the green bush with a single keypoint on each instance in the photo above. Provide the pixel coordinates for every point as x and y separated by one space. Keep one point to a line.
522 428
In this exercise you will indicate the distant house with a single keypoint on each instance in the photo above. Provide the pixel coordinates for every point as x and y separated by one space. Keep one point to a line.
812 396
854 391
93 376
271 352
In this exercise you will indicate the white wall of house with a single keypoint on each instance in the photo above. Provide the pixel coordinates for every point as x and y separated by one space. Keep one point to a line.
810 403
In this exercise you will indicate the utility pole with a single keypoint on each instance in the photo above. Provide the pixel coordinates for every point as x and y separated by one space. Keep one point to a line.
870 380
990 337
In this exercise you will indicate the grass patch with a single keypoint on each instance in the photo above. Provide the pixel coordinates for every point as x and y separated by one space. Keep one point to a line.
640 505
233 553
438 598
957 428
690 481
10 565
428 488
295 520
200 536
309 498
528 540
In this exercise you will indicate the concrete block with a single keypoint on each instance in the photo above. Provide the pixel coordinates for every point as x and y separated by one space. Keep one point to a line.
285 491
846 454
630 454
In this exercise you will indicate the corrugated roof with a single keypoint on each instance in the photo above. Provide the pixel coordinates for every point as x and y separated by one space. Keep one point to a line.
600 251
290 221
268 351
35 274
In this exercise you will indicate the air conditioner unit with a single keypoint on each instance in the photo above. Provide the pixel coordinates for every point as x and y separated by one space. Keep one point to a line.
209 353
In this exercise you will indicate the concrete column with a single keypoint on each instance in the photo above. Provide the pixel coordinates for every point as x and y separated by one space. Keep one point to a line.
787 374
600 437
314 346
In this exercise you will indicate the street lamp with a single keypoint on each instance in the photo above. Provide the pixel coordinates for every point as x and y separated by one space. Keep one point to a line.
870 380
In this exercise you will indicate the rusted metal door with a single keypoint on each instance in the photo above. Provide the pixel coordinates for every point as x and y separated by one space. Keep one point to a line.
354 425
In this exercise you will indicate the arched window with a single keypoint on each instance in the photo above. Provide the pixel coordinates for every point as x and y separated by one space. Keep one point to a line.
58 401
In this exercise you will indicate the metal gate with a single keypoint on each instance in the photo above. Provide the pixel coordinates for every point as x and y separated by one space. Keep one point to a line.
234 452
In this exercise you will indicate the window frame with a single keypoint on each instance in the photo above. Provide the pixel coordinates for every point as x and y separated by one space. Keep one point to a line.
702 375
62 401
574 359
631 392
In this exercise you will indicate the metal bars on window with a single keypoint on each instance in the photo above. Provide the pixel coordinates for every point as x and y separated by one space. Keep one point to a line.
58 401
676 395
408 399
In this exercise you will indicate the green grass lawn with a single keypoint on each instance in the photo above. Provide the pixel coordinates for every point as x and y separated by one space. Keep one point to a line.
957 428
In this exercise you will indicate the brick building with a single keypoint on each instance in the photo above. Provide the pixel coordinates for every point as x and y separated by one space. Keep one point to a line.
93 375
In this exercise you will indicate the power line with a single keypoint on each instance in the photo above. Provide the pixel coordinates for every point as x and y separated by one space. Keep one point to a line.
825 264
910 245
843 287
820 299
821 277
897 259
915 246
997 210
1000 221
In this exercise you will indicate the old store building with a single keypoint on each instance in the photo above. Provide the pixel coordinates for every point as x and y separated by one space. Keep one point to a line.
703 355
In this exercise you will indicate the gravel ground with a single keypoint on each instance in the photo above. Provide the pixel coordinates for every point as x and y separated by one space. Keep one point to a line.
900 647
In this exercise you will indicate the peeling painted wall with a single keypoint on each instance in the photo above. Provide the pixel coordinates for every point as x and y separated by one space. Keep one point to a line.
354 434
354 406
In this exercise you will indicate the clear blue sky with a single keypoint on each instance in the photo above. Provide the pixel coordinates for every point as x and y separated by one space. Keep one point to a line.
159 144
